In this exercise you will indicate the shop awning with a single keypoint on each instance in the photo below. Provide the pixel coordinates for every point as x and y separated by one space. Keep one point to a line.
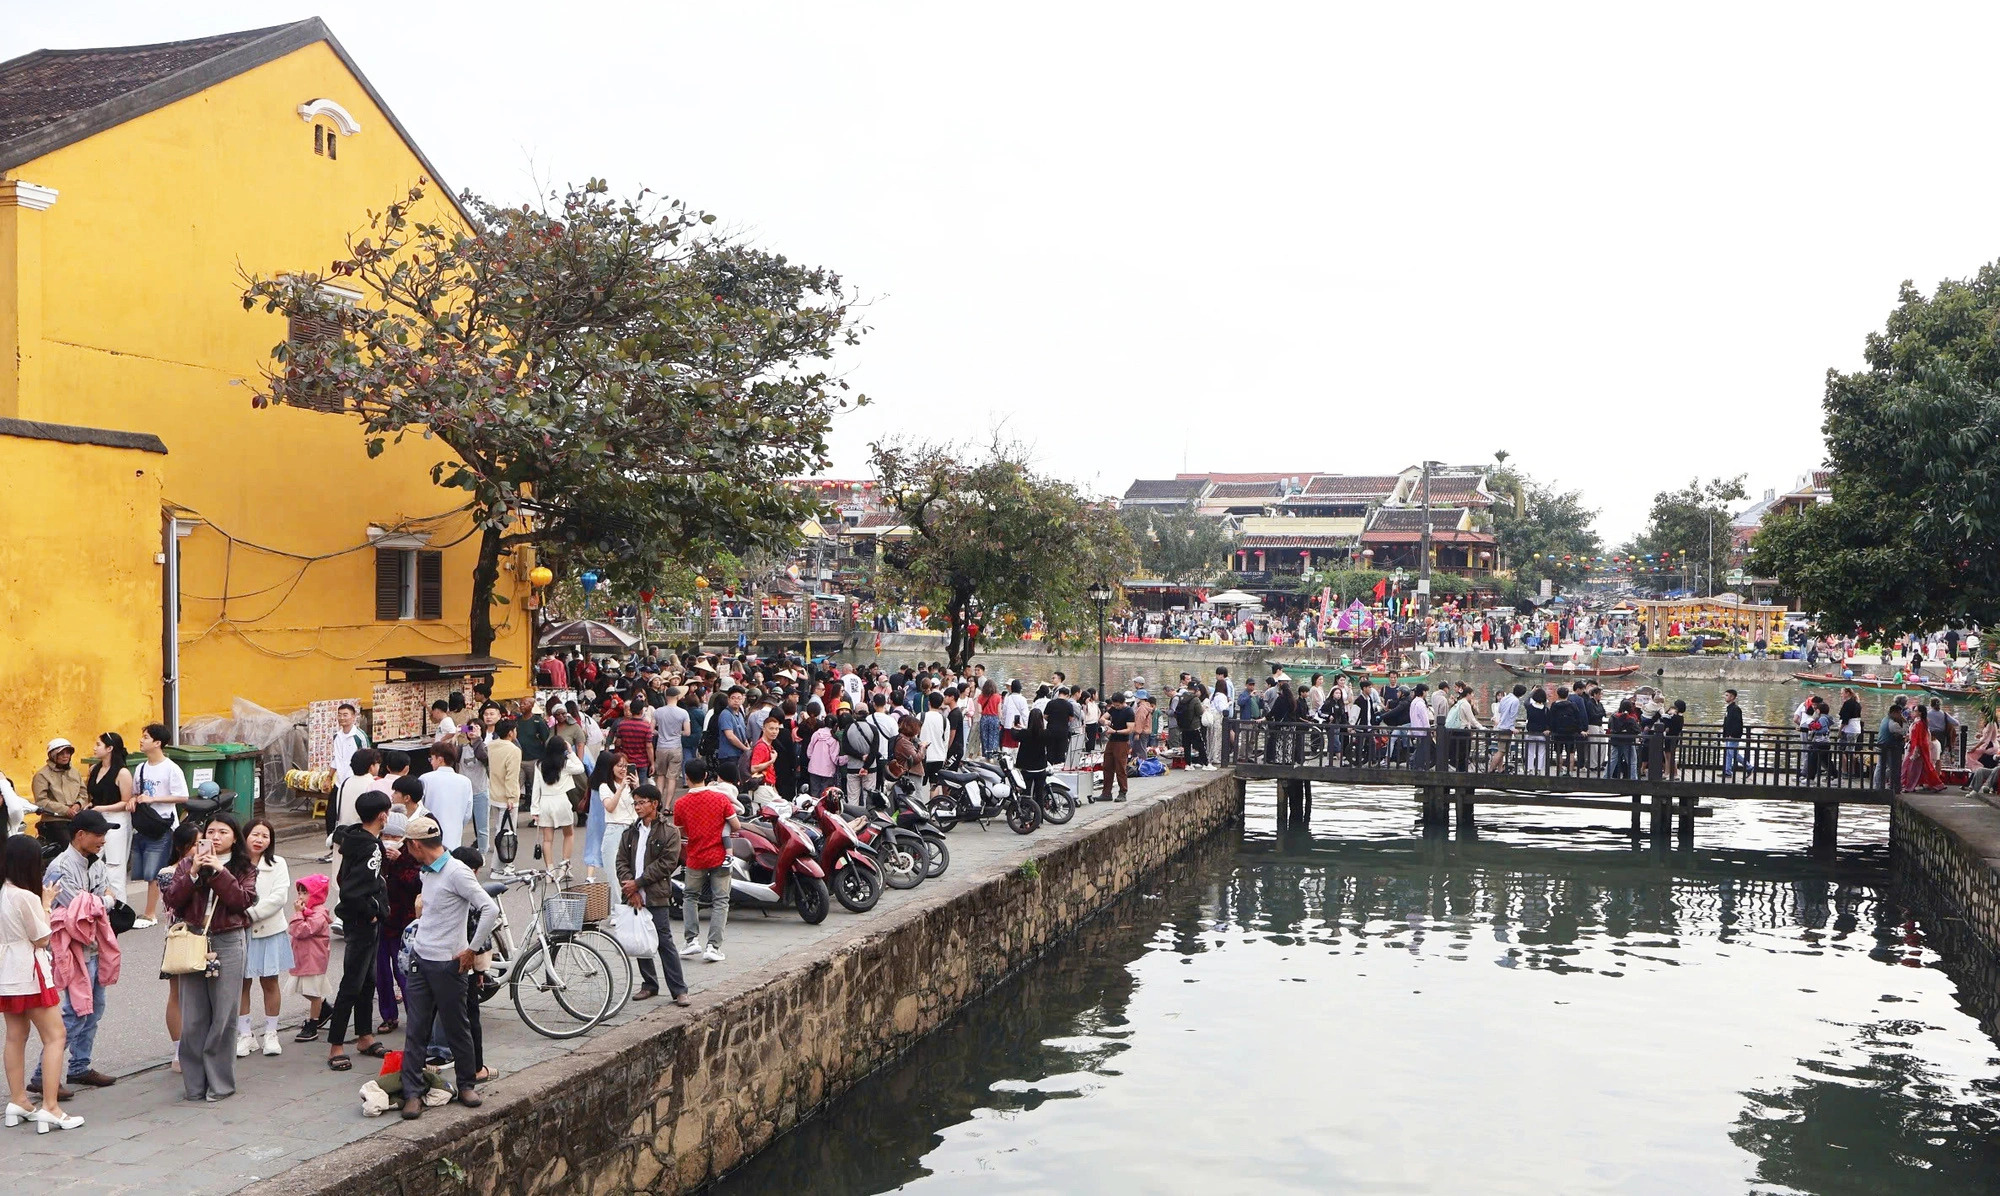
433 668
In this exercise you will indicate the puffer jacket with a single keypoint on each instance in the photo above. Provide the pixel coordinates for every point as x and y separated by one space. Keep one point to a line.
269 914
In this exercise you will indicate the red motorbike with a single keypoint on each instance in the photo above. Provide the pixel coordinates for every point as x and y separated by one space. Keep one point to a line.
856 877
772 865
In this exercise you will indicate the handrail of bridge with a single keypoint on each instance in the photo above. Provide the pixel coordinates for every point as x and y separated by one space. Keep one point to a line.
1763 757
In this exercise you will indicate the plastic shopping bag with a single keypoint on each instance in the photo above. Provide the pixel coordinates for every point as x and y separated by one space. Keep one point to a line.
634 930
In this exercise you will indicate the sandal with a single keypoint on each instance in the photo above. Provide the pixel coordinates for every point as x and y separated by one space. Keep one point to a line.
485 1074
339 1063
388 1027
374 1050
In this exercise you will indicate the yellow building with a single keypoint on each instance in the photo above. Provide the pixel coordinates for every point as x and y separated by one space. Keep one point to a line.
137 186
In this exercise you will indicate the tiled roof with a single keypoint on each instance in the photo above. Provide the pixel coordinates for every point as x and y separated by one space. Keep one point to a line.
1247 490
1335 485
1283 541
1439 536
1180 489
45 86
1411 519
1452 490
53 98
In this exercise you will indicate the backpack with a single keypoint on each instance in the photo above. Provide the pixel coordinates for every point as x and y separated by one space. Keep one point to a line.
711 736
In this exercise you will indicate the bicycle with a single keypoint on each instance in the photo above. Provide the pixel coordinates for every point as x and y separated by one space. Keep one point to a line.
561 986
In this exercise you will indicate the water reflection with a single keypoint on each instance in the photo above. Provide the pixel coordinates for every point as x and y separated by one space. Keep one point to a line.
1353 1007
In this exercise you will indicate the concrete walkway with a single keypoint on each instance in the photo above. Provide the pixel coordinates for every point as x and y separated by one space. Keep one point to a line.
141 1137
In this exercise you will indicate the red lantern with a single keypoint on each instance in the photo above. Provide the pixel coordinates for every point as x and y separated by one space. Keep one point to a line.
645 595
923 612
972 629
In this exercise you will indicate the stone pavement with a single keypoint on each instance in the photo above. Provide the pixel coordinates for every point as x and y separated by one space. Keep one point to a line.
141 1137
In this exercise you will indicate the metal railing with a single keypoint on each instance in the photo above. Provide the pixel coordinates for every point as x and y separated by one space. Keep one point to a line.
1702 755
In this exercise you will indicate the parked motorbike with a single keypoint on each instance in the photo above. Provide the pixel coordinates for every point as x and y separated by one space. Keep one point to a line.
980 796
1058 802
853 873
772 865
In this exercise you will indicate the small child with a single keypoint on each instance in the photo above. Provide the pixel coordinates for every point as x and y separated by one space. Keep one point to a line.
312 946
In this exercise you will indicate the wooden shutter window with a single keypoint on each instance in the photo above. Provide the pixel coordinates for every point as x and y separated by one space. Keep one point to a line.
430 585
388 584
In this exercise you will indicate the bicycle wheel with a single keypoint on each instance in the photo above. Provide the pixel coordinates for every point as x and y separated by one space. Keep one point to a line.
494 979
621 977
538 985
587 979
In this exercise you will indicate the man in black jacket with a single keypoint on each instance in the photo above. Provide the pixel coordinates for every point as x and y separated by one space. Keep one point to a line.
363 899
1732 734
1565 726
1058 722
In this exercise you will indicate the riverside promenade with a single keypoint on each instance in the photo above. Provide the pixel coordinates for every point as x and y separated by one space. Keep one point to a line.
294 1126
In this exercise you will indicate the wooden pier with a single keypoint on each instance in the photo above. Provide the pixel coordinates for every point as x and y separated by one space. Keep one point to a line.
1661 784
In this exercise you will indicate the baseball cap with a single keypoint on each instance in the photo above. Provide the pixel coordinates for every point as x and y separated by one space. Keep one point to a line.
90 822
423 826
58 744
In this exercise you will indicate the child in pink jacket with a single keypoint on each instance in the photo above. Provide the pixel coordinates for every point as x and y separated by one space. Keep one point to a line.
312 946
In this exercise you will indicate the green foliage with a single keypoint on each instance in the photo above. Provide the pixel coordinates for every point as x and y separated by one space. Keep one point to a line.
1544 520
996 539
1030 870
1681 520
1911 538
1180 547
616 383
1350 584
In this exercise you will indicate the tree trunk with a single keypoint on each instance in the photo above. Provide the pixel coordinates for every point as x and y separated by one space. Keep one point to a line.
959 612
485 575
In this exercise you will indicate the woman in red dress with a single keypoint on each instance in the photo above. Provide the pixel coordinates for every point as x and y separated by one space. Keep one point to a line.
28 996
1920 775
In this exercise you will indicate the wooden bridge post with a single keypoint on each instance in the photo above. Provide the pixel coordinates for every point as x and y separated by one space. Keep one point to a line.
1687 822
1242 797
1826 825
1464 810
1437 810
1663 818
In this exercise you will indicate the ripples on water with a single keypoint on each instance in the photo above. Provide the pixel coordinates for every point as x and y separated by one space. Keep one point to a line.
1547 1009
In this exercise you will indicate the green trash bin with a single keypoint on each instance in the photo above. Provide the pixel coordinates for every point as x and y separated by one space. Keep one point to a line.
232 766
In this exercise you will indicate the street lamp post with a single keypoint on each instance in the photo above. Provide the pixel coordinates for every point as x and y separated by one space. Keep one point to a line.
1101 595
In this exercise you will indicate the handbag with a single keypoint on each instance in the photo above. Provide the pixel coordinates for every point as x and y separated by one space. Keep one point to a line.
187 952
506 844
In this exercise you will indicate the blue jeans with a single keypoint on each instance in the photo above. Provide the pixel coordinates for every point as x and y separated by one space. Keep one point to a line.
989 733
1732 757
593 835
81 1031
480 816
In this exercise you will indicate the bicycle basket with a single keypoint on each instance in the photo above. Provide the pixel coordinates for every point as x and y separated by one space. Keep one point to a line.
563 915
596 897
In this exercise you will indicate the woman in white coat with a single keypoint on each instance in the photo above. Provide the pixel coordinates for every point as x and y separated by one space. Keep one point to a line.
268 955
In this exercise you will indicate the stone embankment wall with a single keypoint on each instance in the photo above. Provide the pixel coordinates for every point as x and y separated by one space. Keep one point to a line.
1945 857
1167 661
666 1105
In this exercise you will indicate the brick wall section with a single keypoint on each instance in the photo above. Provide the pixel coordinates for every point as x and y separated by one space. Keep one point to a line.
667 1108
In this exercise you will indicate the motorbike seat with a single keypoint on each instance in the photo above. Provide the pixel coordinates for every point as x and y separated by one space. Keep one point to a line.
961 778
853 811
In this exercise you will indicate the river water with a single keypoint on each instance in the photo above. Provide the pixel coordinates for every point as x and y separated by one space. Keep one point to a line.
1552 1006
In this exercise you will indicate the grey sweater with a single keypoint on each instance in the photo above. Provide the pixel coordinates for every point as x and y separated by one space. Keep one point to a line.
450 897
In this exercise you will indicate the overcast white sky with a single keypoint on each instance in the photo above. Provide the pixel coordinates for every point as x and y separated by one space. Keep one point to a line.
1621 242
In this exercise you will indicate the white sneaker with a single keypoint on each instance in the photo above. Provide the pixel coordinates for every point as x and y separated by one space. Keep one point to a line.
713 955
243 1044
143 923
691 948
271 1046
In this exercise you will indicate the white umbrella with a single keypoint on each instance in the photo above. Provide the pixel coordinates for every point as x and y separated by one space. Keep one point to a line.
588 633
1233 598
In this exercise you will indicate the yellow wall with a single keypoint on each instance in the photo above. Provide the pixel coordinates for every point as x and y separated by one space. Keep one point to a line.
82 601
143 330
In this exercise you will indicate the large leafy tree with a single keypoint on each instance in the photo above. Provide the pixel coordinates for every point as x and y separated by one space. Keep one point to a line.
1911 538
1539 526
606 378
1683 521
1181 547
998 545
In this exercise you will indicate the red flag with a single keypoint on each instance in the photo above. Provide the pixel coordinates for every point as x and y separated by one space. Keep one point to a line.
1381 589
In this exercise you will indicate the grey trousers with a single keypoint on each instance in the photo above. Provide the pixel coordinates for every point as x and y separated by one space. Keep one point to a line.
713 881
208 1021
437 1011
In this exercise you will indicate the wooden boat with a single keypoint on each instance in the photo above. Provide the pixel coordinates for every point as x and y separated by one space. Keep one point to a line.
1952 693
1878 684
1550 668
